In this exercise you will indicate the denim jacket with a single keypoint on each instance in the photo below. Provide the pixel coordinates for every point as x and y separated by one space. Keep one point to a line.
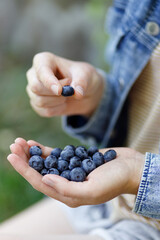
134 28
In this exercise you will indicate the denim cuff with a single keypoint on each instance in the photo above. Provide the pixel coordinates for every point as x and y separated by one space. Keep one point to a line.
148 198
92 130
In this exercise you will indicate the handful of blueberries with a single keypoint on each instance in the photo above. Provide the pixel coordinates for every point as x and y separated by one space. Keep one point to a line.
72 163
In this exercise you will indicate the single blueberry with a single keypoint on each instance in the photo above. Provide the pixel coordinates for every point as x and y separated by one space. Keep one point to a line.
81 152
35 150
66 174
110 155
56 152
92 150
67 91
36 162
88 165
44 171
67 154
53 171
74 162
69 147
77 174
98 158
50 162
62 165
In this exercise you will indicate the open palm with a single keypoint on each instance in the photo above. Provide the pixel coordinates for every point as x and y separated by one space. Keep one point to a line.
121 175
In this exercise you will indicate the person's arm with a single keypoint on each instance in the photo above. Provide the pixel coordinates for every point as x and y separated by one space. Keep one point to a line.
148 197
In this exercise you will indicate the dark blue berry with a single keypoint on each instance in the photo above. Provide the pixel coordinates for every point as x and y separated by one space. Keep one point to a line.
92 150
81 152
44 171
66 174
35 150
62 165
77 174
67 91
50 162
110 155
53 171
69 147
74 162
67 154
88 165
36 162
98 159
56 152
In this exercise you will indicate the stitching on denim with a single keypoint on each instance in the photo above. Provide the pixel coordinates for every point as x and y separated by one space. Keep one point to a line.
143 185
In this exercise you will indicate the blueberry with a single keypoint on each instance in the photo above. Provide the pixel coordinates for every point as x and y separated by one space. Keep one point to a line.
98 159
50 162
56 152
53 171
44 171
36 162
66 174
81 152
77 174
62 165
74 162
88 165
69 147
67 154
110 155
35 150
67 91
92 150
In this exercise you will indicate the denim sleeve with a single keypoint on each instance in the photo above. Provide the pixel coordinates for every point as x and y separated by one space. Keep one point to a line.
91 131
148 198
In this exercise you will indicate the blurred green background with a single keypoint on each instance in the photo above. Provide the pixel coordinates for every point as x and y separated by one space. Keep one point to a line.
72 29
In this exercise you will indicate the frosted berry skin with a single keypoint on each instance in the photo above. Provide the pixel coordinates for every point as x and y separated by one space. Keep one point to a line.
81 152
92 150
66 174
53 171
110 155
56 152
67 91
88 165
77 174
50 162
35 150
62 165
98 159
69 147
67 154
44 171
74 162
36 162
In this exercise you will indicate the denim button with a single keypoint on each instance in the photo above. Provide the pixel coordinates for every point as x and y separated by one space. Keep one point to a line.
121 82
152 28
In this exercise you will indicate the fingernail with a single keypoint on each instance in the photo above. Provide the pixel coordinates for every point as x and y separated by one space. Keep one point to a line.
54 89
80 90
48 181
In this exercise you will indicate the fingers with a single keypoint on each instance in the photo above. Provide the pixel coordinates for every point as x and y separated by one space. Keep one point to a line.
18 150
79 80
22 142
66 188
35 179
44 101
45 65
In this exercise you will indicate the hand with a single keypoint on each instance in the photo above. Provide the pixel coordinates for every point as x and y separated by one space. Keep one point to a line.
122 175
50 73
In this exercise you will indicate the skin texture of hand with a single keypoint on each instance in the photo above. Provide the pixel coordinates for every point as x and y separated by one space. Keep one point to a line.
50 73
119 176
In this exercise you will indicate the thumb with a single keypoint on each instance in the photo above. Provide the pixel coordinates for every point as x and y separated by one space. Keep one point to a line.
79 81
